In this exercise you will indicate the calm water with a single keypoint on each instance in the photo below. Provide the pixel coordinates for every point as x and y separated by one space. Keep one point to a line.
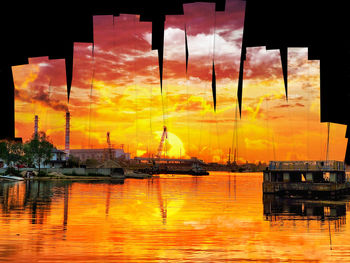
221 217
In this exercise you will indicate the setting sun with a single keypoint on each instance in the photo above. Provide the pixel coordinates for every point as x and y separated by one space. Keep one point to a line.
173 145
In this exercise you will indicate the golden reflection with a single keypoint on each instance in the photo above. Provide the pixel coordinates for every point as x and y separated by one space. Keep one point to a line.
168 218
286 211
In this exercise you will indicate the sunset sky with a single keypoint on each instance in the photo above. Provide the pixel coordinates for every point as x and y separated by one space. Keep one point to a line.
116 88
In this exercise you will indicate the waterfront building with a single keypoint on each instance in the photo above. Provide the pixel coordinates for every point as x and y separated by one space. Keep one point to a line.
306 177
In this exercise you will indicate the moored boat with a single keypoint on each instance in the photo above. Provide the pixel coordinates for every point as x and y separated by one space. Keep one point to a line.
11 178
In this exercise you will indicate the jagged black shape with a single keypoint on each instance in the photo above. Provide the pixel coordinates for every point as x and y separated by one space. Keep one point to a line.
347 154
160 61
284 62
320 26
213 85
186 49
158 44
42 28
45 28
240 80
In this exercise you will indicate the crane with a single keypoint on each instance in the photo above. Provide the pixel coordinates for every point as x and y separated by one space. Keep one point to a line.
164 136
109 146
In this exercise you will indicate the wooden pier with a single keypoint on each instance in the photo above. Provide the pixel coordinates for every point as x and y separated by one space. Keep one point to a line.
307 178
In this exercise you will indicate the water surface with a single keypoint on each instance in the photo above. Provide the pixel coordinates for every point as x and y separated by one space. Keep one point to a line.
221 217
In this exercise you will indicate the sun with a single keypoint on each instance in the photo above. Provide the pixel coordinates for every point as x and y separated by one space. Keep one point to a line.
174 146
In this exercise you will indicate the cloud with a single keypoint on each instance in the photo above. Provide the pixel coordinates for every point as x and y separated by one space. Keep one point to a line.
257 144
217 120
42 97
289 105
283 106
262 64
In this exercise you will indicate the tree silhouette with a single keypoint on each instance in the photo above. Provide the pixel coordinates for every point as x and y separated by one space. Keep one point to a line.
38 149
11 152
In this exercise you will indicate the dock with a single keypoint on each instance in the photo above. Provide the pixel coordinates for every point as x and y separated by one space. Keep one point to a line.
306 178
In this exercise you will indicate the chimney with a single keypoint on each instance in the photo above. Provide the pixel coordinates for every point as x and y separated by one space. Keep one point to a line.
66 149
36 121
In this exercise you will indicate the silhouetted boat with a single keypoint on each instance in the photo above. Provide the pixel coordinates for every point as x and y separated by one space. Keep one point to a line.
198 170
136 174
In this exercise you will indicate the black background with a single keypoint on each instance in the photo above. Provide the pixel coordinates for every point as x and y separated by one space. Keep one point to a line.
51 28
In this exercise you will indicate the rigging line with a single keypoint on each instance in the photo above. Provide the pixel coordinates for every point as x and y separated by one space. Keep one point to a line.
308 114
91 88
273 146
210 137
32 91
214 33
321 126
291 128
270 135
213 56
217 135
114 28
163 104
267 119
237 107
165 110
167 117
187 93
321 132
200 134
321 139
49 95
233 140
213 81
216 121
291 125
328 132
135 89
206 97
234 134
164 117
150 121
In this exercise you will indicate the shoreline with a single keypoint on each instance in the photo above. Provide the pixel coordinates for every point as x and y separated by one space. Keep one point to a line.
80 178
117 178
75 178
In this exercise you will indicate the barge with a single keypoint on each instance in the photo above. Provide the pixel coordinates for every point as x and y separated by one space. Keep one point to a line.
306 178
196 170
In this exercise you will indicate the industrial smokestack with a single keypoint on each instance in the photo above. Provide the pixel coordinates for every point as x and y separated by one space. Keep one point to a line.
66 149
36 122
